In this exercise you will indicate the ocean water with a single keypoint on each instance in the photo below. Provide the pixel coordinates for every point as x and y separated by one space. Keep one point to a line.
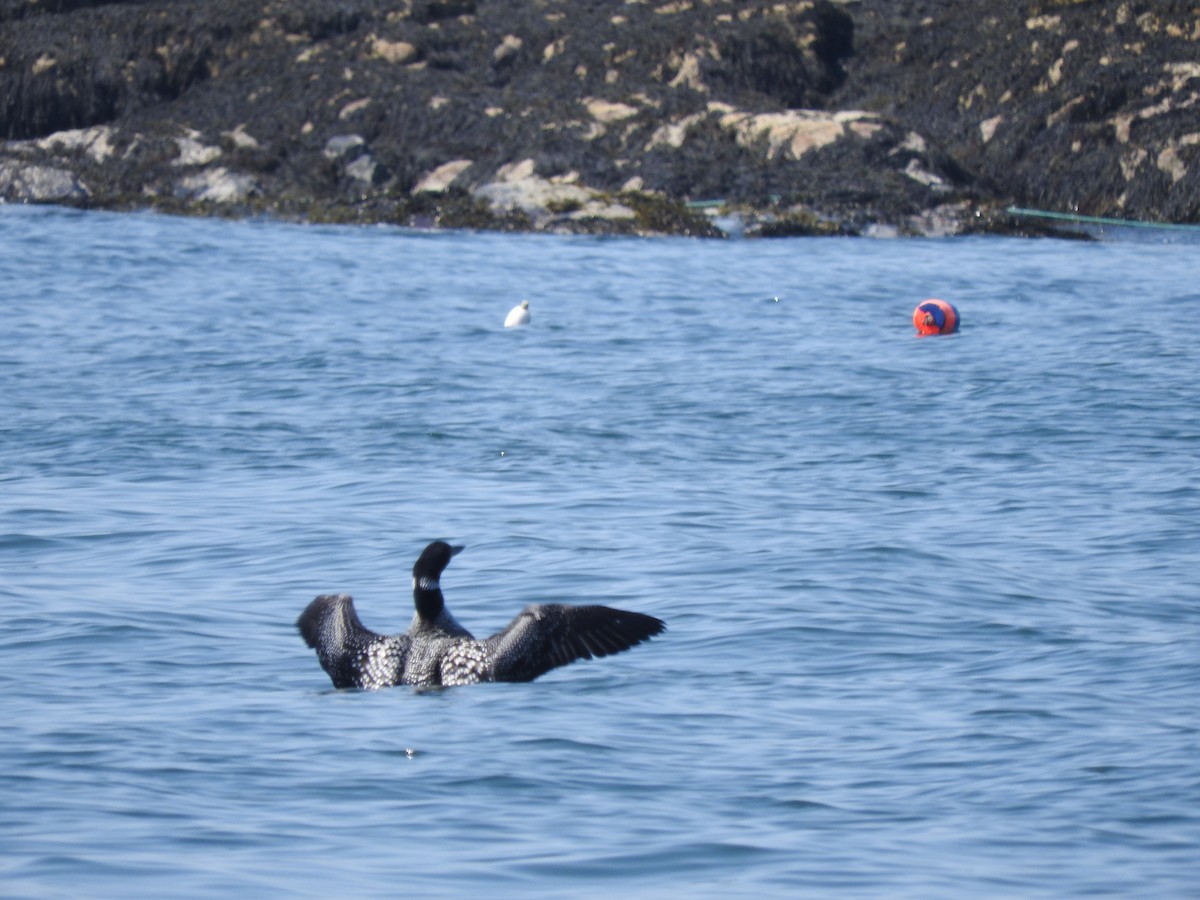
933 604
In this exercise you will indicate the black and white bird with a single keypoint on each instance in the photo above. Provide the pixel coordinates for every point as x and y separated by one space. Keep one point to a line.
436 650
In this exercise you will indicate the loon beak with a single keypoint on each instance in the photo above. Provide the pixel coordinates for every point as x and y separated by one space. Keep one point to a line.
454 551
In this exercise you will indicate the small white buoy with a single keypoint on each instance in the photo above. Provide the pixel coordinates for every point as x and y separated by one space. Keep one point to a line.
518 315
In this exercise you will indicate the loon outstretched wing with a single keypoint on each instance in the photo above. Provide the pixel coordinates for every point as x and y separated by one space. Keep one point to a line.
332 620
545 637
437 650
351 654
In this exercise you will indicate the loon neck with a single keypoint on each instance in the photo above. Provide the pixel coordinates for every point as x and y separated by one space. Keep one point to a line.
427 598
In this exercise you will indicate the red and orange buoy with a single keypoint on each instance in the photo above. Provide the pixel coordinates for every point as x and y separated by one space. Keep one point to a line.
935 317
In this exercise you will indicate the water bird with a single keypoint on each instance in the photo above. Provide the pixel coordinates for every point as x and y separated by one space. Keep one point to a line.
437 650
518 315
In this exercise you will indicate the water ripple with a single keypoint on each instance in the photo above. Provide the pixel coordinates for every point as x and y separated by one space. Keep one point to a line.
931 604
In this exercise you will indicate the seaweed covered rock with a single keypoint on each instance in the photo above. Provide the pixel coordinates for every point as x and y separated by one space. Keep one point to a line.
1091 106
617 117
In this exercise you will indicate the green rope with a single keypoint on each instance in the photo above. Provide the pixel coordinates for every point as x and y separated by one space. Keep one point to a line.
1097 220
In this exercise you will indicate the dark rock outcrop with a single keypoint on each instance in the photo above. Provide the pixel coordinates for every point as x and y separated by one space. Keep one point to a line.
1091 106
808 116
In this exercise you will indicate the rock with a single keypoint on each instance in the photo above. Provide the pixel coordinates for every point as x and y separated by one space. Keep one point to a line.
864 116
216 185
551 204
95 142
1058 105
194 153
508 48
794 132
367 170
238 138
342 145
39 184
440 179
394 52
354 107
607 112
534 195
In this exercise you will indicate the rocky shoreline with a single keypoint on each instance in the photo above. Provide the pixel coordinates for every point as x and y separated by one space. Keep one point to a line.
694 117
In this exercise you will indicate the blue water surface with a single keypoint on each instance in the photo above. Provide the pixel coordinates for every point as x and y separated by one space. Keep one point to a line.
933 604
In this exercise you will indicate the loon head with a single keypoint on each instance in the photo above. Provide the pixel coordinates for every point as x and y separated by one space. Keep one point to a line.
427 573
433 561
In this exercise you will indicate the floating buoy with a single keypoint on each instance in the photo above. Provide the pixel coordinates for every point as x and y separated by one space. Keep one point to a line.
935 317
518 315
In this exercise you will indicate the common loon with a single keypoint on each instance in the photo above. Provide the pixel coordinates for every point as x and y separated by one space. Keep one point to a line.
436 650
